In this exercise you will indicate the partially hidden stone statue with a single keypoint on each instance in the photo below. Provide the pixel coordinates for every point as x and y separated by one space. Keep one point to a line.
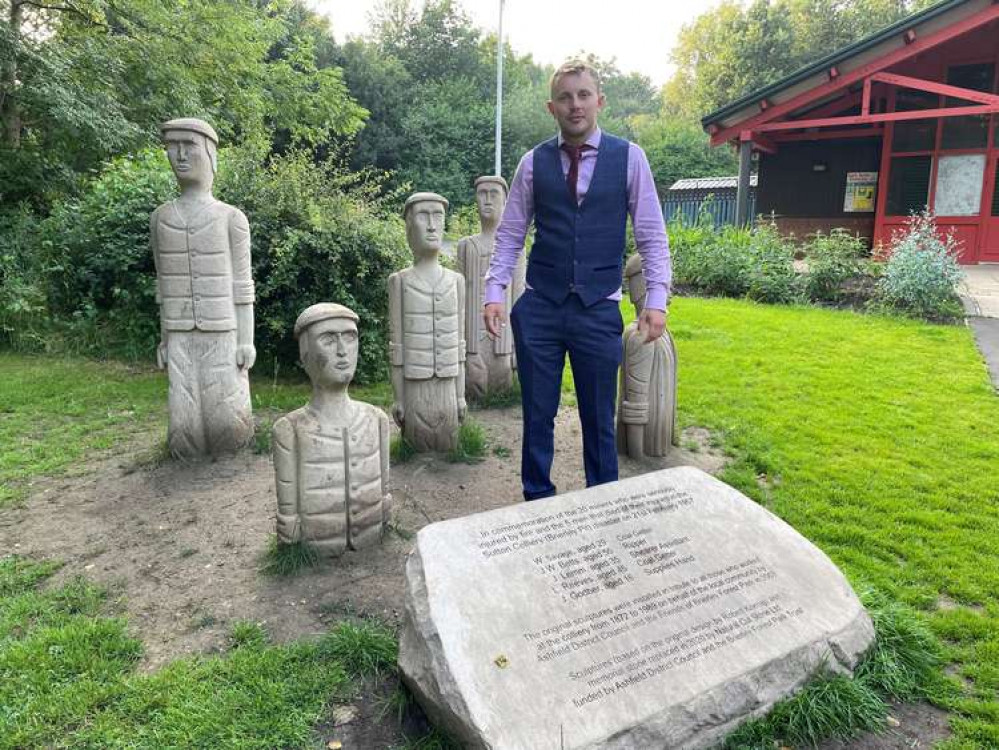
489 364
646 415
204 290
427 351
331 457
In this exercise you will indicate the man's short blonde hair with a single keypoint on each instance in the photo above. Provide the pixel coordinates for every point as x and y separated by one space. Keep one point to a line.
576 66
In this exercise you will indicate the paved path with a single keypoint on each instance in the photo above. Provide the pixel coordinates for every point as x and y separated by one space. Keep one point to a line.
980 295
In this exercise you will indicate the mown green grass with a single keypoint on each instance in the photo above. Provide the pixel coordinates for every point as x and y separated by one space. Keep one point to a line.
68 679
55 412
878 439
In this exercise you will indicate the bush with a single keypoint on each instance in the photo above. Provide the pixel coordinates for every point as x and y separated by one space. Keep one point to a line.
22 299
733 262
318 233
709 261
833 259
922 272
769 266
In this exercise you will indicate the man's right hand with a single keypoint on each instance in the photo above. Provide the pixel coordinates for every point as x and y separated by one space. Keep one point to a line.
494 315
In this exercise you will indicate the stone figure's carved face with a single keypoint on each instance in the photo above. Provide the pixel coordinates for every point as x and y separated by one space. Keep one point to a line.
425 227
189 157
576 101
636 289
330 353
490 199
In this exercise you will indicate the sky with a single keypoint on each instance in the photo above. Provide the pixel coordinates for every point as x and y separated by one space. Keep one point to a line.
638 33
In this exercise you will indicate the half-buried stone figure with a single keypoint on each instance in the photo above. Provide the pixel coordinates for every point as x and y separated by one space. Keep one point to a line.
201 248
331 457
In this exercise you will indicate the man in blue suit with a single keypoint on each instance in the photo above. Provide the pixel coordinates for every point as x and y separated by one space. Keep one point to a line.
578 189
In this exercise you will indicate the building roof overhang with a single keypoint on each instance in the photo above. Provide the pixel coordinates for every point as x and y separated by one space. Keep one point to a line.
832 81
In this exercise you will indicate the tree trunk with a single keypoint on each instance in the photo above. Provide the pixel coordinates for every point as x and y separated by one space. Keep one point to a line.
10 112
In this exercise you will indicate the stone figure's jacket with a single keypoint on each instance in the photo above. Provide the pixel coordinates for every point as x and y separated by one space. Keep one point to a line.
202 267
332 481
432 344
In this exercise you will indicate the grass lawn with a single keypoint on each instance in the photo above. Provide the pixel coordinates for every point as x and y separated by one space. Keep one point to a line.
877 438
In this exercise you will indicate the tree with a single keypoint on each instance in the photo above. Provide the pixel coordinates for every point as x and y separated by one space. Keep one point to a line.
678 148
733 49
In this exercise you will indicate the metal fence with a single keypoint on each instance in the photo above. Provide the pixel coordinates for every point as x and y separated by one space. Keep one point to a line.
721 209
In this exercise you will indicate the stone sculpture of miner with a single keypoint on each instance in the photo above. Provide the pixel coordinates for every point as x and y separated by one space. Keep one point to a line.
646 414
204 289
427 351
331 457
489 363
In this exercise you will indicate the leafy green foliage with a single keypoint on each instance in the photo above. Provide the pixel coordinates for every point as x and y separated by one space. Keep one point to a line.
922 272
97 268
401 450
737 48
833 259
677 148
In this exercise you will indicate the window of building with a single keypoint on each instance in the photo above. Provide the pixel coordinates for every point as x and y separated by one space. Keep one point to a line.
959 185
967 132
908 184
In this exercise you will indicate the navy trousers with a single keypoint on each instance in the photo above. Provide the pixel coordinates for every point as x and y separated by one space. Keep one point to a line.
544 332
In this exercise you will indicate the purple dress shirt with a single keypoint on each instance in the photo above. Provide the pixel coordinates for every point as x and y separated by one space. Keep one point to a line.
643 207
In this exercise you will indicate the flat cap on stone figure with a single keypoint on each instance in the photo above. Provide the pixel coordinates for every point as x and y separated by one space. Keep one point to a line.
646 413
201 248
331 457
426 347
490 363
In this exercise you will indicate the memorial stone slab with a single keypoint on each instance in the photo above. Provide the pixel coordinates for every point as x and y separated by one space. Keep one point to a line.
657 612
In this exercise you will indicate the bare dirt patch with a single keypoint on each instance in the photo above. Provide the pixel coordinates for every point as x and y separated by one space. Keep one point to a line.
181 546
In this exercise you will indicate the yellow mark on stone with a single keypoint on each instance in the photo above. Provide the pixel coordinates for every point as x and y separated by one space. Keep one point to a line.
501 661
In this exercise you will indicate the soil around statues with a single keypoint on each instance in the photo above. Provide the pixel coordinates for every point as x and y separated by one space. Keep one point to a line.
180 547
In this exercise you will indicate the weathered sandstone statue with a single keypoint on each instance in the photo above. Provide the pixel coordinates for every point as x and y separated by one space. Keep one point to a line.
331 457
490 363
427 351
646 414
201 248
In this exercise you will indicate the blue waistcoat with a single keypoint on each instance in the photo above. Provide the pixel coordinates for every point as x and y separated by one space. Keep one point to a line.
580 248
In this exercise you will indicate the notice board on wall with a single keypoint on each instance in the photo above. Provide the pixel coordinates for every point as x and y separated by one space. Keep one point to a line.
861 188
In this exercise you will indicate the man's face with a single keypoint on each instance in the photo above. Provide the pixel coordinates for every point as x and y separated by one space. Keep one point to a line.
575 104
332 351
425 227
188 155
490 198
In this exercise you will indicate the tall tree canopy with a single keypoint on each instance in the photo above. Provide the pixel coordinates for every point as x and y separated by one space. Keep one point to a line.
736 48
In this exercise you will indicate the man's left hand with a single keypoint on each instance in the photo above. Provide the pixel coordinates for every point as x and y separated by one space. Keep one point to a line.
652 323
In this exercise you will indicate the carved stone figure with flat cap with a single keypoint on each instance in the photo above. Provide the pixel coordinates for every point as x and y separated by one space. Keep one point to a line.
646 413
331 457
201 248
489 363
426 347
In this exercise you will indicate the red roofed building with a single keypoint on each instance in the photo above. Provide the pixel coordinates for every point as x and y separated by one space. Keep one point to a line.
899 121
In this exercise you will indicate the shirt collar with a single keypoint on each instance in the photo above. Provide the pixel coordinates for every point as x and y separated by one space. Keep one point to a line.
593 141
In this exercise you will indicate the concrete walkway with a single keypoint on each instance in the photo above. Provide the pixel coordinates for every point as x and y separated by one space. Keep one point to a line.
980 295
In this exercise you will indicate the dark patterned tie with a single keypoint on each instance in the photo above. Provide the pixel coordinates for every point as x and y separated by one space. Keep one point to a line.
574 152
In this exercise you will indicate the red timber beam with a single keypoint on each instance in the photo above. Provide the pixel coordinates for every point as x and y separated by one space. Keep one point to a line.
919 114
841 81
828 135
934 87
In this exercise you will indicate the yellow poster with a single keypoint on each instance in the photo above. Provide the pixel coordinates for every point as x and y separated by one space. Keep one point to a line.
861 189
